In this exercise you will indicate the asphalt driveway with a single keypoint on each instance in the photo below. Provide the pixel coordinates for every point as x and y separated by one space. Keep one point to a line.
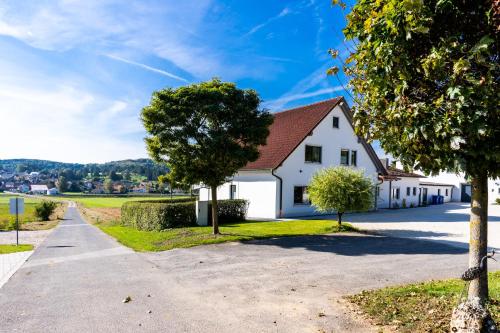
447 223
76 281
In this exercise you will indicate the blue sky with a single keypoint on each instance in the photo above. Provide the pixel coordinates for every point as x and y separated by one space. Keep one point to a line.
75 74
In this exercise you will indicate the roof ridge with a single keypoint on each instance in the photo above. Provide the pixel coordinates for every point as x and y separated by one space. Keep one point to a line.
312 104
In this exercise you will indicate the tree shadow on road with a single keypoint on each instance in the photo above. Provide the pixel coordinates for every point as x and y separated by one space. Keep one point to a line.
359 245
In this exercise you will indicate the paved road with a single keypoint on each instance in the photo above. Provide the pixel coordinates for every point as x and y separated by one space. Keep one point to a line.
76 280
448 223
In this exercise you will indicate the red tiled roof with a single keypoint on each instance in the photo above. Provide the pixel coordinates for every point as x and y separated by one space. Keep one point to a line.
435 184
288 130
401 173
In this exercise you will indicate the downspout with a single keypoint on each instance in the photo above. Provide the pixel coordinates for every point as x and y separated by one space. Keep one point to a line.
377 190
390 194
281 191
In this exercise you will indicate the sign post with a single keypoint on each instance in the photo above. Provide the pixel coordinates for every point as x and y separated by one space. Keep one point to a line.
16 207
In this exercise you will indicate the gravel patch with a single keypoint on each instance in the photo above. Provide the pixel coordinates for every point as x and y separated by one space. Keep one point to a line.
25 237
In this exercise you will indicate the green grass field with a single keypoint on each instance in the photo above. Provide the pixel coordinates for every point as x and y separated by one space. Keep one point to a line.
12 248
7 220
108 202
193 236
422 307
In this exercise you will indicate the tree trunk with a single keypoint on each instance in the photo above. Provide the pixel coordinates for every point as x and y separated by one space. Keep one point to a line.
340 218
478 244
215 217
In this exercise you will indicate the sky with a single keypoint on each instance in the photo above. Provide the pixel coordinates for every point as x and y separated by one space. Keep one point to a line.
74 75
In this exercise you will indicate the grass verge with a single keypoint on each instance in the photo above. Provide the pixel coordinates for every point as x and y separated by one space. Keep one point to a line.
422 307
28 220
12 248
193 236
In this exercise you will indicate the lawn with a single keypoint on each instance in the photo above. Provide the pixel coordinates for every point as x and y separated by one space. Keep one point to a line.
12 248
7 220
422 307
27 221
109 202
193 236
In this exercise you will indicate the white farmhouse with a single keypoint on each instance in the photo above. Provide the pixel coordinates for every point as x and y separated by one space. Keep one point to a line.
399 188
461 189
52 191
301 141
39 189
407 189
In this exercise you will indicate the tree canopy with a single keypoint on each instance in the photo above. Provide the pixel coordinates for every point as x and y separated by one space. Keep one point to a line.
425 78
341 189
206 132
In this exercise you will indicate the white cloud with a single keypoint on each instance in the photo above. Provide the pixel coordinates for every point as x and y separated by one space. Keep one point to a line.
282 101
67 123
149 68
112 27
317 80
286 11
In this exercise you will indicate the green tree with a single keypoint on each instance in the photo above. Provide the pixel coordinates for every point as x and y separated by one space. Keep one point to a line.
341 189
114 176
108 186
205 132
62 184
425 78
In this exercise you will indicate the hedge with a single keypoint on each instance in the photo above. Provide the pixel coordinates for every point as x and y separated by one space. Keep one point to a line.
229 210
167 201
158 215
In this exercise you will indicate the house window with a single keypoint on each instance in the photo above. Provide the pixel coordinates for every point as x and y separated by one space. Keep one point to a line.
408 191
232 192
446 192
313 154
396 193
335 122
344 157
354 157
414 191
300 196
439 191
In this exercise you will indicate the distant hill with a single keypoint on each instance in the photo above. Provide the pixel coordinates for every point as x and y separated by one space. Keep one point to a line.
143 167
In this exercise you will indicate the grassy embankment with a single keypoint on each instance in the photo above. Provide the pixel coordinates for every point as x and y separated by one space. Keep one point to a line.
105 213
421 307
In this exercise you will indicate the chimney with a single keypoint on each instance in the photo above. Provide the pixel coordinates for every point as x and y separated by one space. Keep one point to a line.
385 162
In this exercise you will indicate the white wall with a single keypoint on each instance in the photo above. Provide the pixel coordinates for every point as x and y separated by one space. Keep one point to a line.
402 184
459 180
433 190
296 172
493 190
258 187
449 178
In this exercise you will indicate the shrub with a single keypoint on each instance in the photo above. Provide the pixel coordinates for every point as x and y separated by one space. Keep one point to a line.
498 201
169 201
341 189
403 204
44 209
229 210
412 205
158 215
